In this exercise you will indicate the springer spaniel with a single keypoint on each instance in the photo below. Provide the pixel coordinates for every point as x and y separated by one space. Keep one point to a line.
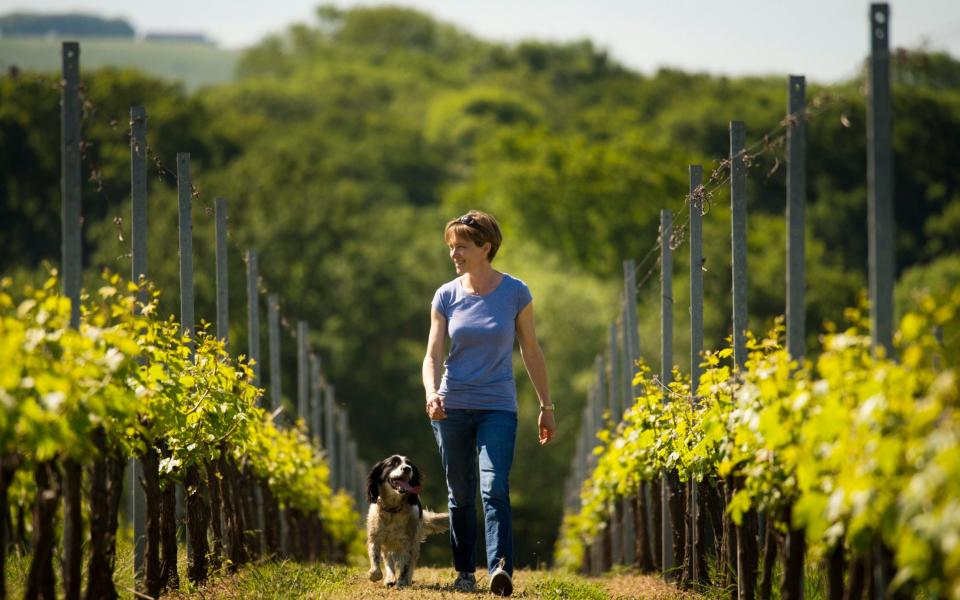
397 522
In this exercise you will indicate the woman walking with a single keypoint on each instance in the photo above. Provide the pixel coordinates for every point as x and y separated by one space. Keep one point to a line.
471 397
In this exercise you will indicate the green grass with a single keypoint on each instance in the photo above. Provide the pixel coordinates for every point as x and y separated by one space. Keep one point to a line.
814 581
291 580
278 581
287 579
194 65
560 587
15 571
17 568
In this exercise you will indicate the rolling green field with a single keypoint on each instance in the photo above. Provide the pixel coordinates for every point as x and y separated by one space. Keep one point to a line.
194 65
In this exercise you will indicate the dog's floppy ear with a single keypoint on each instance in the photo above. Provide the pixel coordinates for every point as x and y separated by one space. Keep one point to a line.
416 480
373 481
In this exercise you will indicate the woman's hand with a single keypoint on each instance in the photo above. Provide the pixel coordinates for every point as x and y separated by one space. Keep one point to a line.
432 364
548 428
435 407
532 356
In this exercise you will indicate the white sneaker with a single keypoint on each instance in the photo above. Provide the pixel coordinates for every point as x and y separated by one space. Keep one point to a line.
501 584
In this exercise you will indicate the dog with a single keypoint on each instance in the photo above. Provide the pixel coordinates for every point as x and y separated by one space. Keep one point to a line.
396 522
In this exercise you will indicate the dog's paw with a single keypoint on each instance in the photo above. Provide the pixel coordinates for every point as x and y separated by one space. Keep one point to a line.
375 574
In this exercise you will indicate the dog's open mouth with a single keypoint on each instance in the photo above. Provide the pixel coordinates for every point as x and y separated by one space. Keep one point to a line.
404 487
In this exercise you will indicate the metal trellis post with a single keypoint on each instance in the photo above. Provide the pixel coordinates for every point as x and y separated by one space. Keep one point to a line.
138 242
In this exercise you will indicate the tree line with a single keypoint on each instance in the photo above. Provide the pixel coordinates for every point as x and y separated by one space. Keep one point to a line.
71 24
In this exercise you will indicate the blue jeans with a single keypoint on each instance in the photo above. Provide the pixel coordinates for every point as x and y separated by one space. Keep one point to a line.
463 437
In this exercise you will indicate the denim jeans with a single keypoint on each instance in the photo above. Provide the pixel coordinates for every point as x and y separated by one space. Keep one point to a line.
464 437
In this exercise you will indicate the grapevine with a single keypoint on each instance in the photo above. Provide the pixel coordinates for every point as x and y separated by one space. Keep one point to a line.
854 448
127 383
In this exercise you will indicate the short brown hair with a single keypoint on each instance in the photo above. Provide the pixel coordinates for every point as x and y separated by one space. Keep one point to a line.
477 226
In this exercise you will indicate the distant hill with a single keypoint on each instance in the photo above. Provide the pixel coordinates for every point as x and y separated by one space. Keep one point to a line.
181 37
195 65
63 25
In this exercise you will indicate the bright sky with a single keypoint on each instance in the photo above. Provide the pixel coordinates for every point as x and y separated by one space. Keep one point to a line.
822 39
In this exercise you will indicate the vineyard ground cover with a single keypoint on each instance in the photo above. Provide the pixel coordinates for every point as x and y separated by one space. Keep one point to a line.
18 566
284 580
287 579
292 580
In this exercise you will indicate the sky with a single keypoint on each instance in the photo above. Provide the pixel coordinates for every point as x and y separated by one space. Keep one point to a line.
822 39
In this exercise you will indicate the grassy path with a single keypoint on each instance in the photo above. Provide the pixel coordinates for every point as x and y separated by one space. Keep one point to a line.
292 580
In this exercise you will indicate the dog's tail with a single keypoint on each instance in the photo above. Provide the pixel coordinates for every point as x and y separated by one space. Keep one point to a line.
434 522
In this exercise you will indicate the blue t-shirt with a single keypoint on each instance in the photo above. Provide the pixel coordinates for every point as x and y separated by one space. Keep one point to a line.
478 372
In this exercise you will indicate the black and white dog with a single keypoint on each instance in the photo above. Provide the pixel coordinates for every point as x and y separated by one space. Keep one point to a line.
397 523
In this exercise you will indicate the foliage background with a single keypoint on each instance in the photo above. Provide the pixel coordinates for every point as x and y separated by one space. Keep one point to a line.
343 145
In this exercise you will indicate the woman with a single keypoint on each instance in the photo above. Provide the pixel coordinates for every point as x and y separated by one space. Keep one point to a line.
473 405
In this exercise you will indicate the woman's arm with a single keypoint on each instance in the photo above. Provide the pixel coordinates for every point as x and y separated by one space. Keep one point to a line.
433 363
536 367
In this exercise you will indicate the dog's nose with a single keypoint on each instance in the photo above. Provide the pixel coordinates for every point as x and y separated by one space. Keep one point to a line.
407 468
